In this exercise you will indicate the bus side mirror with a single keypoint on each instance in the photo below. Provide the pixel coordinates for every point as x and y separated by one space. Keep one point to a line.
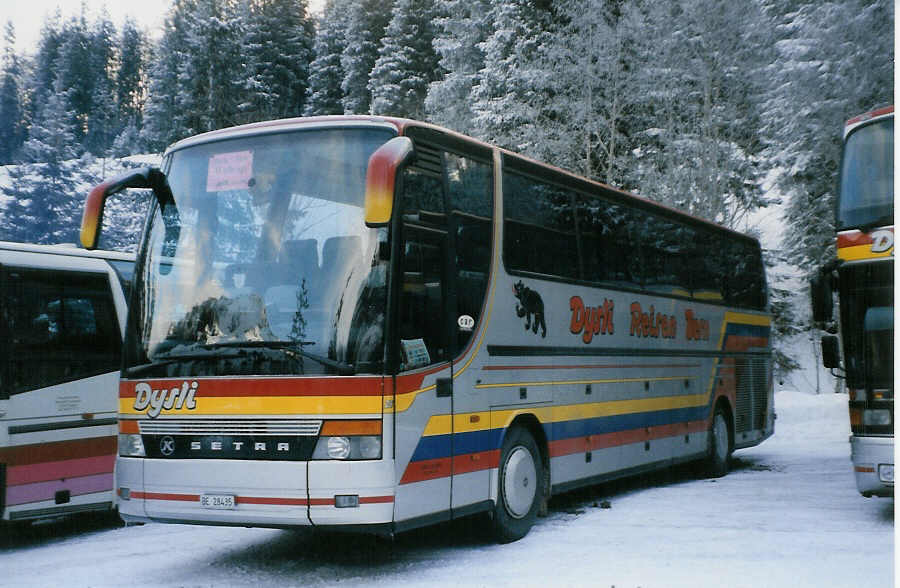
381 179
821 291
831 356
92 217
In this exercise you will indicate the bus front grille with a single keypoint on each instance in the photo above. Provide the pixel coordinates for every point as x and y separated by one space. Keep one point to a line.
229 427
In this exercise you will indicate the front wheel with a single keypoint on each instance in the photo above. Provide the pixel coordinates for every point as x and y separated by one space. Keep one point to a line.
520 490
719 445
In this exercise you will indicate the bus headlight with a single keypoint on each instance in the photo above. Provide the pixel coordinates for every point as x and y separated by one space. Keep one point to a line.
131 445
348 448
349 439
879 416
338 447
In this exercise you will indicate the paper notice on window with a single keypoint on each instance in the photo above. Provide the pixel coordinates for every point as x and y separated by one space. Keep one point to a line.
415 353
229 171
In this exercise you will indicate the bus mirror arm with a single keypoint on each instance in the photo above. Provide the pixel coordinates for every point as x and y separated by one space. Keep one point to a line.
143 178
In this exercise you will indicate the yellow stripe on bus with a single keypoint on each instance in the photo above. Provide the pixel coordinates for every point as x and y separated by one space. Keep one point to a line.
857 252
479 421
255 405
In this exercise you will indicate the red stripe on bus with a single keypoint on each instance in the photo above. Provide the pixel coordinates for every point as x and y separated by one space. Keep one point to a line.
428 469
854 239
594 442
58 451
260 499
55 470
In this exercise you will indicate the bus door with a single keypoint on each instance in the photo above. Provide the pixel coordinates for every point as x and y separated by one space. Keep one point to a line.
424 423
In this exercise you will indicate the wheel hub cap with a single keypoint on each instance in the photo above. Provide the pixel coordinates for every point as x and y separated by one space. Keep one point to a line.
519 482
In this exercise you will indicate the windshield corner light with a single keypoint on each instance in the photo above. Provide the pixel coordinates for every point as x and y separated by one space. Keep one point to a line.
131 445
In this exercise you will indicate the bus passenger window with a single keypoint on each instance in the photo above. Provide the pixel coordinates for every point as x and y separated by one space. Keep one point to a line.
63 327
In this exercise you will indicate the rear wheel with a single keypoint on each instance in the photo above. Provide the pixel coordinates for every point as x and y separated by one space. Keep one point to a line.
520 490
719 445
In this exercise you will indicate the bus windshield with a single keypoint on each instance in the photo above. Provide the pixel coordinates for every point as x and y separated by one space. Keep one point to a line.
867 177
263 263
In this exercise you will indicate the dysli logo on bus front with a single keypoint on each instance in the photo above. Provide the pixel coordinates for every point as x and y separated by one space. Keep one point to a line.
155 401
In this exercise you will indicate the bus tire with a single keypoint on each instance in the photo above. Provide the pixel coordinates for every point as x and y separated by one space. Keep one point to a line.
719 452
519 492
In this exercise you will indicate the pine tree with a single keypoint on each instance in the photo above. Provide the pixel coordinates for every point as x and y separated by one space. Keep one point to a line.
513 92
129 76
278 50
695 147
211 72
365 29
12 128
324 95
407 63
40 84
164 121
42 206
460 32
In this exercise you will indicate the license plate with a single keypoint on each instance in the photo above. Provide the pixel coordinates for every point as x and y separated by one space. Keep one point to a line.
217 501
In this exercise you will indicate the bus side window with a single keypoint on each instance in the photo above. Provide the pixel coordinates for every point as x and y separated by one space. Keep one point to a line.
470 187
63 327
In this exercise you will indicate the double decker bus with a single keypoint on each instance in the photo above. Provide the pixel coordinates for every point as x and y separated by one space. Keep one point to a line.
62 320
377 324
863 277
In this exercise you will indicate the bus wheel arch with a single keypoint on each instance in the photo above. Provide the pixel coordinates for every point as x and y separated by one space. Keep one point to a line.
721 440
522 479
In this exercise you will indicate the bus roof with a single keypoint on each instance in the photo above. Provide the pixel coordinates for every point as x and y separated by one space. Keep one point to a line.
70 250
400 125
867 117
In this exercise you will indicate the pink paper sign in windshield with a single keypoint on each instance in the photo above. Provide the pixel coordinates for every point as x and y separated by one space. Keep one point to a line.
229 171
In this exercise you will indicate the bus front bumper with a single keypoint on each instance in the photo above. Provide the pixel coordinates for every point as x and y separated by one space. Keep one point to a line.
873 465
256 493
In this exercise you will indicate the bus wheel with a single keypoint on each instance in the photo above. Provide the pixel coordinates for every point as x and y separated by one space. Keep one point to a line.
520 490
719 445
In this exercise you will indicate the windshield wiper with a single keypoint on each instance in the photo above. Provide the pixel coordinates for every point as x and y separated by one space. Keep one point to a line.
343 369
168 359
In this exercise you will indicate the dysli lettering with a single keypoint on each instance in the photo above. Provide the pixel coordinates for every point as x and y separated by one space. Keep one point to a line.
165 399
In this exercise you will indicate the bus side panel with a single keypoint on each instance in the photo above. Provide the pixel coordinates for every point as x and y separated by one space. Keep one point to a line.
65 460
423 448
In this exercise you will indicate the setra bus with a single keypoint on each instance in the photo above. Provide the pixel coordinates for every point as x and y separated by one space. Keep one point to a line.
62 320
377 324
863 277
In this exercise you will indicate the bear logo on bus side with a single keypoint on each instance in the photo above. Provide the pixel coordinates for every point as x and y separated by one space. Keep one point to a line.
530 306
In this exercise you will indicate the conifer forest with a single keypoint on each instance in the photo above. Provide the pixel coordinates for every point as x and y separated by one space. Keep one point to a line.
720 109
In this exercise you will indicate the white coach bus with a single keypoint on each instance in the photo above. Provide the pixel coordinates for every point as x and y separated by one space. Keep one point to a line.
62 317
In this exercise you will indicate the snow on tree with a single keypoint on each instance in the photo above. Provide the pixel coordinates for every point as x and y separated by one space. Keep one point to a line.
277 50
12 128
164 121
833 61
325 71
407 62
459 33
130 76
210 75
695 144
367 20
512 92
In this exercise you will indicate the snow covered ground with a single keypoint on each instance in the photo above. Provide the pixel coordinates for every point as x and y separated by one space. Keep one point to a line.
787 515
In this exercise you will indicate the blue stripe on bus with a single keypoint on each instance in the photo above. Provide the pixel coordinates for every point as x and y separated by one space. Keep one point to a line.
438 446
